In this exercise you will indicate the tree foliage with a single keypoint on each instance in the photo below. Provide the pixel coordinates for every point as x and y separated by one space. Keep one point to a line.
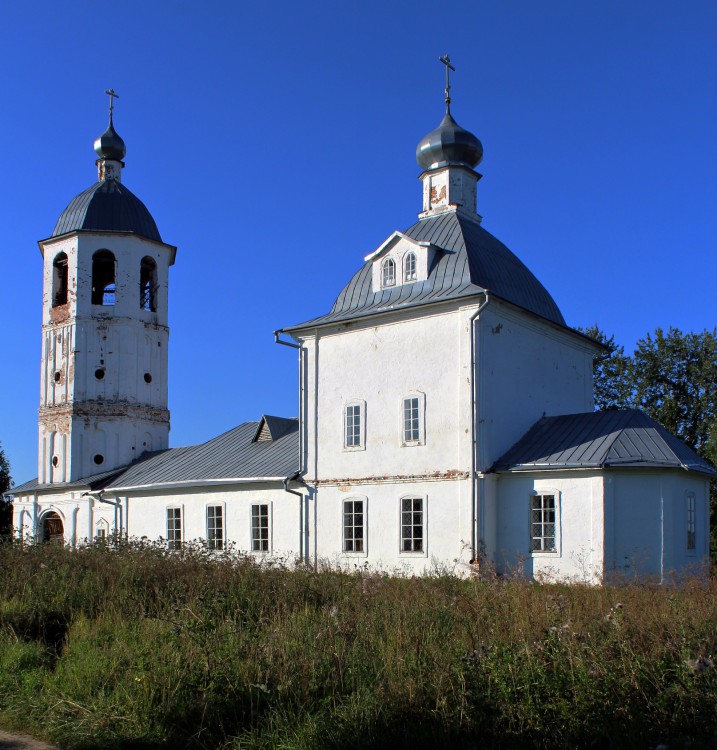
5 484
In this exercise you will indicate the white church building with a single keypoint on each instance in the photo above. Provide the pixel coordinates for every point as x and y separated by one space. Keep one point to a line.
446 411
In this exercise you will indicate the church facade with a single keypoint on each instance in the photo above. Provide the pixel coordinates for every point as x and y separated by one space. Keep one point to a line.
446 411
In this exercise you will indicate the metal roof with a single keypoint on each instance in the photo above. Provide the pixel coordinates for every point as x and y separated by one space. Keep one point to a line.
469 261
107 206
233 455
602 439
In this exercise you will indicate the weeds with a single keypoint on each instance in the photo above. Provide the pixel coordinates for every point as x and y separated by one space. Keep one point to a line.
128 645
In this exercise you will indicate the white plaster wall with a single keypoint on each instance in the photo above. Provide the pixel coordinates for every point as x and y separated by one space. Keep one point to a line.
526 369
640 543
147 514
80 515
447 527
427 354
580 543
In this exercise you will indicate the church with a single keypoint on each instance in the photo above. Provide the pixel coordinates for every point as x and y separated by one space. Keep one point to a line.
446 415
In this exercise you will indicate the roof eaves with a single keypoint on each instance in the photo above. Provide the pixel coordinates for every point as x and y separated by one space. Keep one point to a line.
216 482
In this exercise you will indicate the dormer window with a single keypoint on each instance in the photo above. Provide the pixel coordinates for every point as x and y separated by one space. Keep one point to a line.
410 267
388 275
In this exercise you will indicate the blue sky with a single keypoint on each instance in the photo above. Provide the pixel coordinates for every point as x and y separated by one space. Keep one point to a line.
274 144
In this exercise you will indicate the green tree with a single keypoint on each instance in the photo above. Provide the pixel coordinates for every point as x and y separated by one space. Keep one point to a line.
612 375
5 484
675 380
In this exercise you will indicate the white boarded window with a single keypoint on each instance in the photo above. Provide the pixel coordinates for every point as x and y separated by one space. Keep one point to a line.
388 273
260 527
174 528
691 522
215 527
543 523
412 524
354 525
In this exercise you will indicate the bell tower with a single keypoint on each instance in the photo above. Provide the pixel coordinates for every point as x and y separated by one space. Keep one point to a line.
105 334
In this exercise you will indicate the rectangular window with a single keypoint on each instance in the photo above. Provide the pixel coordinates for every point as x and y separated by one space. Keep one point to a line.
174 528
542 523
353 526
411 419
353 429
691 523
412 524
215 527
260 528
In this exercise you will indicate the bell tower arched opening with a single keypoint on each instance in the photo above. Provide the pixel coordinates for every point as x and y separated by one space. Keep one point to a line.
148 284
59 280
103 278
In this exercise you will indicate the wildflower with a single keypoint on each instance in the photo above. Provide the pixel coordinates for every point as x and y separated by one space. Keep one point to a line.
700 664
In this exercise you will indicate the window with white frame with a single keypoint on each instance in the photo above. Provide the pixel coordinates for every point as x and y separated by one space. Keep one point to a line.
354 526
215 527
543 523
354 425
388 272
691 522
174 528
260 528
410 267
412 524
412 427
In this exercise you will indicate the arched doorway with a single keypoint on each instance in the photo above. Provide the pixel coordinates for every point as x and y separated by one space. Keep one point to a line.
52 528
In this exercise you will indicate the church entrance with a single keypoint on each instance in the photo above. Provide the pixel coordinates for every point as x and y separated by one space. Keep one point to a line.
52 528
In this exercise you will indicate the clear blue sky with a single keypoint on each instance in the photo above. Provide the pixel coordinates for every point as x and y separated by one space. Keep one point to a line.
274 145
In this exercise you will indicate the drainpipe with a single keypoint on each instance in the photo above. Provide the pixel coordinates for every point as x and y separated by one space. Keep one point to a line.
292 478
303 522
476 500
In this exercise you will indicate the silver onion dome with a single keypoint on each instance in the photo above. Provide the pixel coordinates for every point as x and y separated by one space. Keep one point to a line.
449 144
109 145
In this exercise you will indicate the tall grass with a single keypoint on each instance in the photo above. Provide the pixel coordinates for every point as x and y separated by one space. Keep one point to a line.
131 647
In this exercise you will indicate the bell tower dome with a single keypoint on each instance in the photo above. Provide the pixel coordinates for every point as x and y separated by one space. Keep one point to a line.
105 334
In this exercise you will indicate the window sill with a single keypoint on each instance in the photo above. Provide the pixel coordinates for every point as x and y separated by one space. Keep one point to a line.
353 448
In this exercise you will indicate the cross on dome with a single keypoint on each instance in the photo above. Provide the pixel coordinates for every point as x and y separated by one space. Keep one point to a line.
447 62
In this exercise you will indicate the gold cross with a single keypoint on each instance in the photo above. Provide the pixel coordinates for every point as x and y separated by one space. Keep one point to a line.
447 62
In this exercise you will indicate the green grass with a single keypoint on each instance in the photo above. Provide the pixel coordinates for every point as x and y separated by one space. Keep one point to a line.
131 647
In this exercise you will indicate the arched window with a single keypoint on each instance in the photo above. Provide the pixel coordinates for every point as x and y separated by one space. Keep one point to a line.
409 267
148 284
59 280
103 278
388 275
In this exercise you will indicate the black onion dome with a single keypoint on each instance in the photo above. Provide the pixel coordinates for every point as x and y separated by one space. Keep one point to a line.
448 144
107 206
109 145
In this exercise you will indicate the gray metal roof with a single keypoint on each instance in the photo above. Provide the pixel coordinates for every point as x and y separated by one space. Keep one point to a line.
96 480
234 455
602 439
469 262
107 206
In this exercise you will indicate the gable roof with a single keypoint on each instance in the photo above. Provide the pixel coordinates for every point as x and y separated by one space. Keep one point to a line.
602 439
234 455
469 261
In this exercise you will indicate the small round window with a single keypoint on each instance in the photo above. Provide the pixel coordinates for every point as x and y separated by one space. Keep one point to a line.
147 377
99 459
57 376
55 460
99 373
